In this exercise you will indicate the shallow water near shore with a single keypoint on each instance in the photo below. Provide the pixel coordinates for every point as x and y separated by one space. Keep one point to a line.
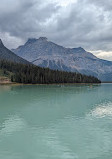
56 122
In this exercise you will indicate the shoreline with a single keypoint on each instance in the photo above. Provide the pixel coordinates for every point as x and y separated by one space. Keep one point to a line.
17 84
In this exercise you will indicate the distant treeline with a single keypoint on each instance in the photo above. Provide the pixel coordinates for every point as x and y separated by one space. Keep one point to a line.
23 73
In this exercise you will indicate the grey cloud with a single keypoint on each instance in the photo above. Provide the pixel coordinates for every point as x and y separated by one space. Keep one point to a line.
87 23
91 26
26 19
105 4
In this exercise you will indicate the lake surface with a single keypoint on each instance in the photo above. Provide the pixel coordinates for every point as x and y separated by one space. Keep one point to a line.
56 122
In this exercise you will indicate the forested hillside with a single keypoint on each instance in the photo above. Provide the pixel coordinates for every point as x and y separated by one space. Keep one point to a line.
27 73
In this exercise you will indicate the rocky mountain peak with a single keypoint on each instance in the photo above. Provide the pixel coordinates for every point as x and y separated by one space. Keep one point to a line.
79 50
31 40
43 39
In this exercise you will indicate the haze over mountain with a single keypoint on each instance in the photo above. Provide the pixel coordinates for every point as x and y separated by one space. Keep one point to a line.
6 54
44 53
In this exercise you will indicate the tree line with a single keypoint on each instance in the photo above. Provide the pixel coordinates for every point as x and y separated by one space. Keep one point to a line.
31 74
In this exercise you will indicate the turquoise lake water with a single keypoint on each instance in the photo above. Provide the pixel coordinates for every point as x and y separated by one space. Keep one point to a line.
56 122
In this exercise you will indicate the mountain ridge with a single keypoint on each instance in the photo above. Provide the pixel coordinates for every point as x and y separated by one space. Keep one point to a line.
44 53
6 54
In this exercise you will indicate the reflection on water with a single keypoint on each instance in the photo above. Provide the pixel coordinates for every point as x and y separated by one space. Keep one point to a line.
11 125
103 110
70 122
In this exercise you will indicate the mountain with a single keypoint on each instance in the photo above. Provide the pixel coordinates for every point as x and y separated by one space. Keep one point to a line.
6 54
44 53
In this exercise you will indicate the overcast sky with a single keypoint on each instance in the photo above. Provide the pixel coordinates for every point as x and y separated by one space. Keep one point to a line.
71 23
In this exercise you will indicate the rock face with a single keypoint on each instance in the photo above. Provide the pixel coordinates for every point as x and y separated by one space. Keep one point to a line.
44 53
6 54
1 44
